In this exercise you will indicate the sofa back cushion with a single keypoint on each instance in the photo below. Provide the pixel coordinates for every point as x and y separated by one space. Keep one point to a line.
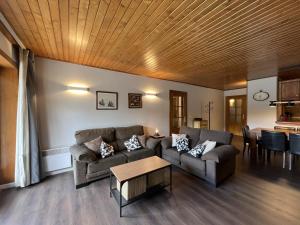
107 134
221 137
124 133
193 134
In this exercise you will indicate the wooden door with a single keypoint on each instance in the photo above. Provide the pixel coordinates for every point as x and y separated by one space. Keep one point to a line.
178 110
236 113
8 114
290 90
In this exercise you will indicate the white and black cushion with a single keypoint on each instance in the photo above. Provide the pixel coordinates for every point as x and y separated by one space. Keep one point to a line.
133 143
106 150
197 151
182 144
175 137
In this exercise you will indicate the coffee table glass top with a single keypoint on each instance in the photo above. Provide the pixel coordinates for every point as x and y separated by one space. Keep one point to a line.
137 168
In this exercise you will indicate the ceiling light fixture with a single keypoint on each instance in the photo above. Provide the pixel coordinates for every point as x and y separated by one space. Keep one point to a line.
287 103
272 104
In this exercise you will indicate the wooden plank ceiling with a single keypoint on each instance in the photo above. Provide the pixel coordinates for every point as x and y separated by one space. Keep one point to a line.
218 44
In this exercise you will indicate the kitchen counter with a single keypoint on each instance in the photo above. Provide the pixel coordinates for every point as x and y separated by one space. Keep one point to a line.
288 123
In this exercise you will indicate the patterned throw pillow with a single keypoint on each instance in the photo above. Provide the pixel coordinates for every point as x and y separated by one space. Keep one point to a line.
106 150
197 151
133 143
182 144
175 137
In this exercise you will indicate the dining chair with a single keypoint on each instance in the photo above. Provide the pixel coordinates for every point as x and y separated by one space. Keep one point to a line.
275 141
246 138
294 140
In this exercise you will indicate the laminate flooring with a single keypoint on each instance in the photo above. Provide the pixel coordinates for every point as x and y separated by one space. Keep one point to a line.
258 193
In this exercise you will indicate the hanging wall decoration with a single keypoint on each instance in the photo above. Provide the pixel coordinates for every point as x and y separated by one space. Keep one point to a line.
106 100
135 100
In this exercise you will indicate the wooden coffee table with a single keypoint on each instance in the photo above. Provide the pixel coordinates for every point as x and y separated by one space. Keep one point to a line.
141 177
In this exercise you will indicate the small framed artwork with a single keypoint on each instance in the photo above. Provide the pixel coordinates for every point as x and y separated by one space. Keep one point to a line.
106 100
135 100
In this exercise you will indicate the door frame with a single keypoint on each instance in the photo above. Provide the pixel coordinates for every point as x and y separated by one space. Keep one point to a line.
171 93
227 109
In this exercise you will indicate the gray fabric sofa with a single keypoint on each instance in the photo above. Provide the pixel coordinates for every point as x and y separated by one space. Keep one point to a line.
215 166
87 167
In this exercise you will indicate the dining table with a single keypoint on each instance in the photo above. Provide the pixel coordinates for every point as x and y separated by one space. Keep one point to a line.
255 136
256 132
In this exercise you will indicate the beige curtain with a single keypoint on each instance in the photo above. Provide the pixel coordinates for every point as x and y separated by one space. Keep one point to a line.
22 167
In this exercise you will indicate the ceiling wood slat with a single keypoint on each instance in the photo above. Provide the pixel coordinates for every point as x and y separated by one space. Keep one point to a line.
64 23
55 17
212 43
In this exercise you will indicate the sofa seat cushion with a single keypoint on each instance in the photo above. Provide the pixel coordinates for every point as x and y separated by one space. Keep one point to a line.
138 154
106 163
172 155
193 165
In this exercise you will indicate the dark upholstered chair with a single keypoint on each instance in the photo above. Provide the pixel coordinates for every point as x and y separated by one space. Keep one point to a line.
274 141
246 138
294 147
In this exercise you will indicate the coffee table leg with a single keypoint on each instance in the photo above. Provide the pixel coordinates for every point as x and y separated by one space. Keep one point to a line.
171 178
121 184
110 183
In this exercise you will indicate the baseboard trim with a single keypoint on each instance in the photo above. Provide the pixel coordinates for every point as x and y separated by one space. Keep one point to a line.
6 186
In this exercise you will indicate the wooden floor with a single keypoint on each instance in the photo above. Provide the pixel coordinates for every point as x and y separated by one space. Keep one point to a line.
257 194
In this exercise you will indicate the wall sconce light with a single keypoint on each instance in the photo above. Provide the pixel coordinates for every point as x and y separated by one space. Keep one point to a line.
77 90
150 94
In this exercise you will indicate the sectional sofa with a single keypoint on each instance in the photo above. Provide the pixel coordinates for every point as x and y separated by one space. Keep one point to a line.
87 167
215 166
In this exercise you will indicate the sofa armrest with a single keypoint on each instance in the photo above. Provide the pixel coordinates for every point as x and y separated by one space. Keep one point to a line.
82 154
151 143
221 153
166 143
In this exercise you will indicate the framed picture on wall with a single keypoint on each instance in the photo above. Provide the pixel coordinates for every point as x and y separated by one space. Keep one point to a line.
135 100
106 100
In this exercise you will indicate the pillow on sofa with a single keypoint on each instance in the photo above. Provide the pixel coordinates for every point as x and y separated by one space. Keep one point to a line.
106 150
175 137
94 144
182 144
142 140
209 145
133 143
197 151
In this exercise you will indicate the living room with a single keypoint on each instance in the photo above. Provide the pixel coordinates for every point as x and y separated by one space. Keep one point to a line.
127 113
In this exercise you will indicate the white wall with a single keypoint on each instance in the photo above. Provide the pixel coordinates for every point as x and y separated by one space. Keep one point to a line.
62 113
260 114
